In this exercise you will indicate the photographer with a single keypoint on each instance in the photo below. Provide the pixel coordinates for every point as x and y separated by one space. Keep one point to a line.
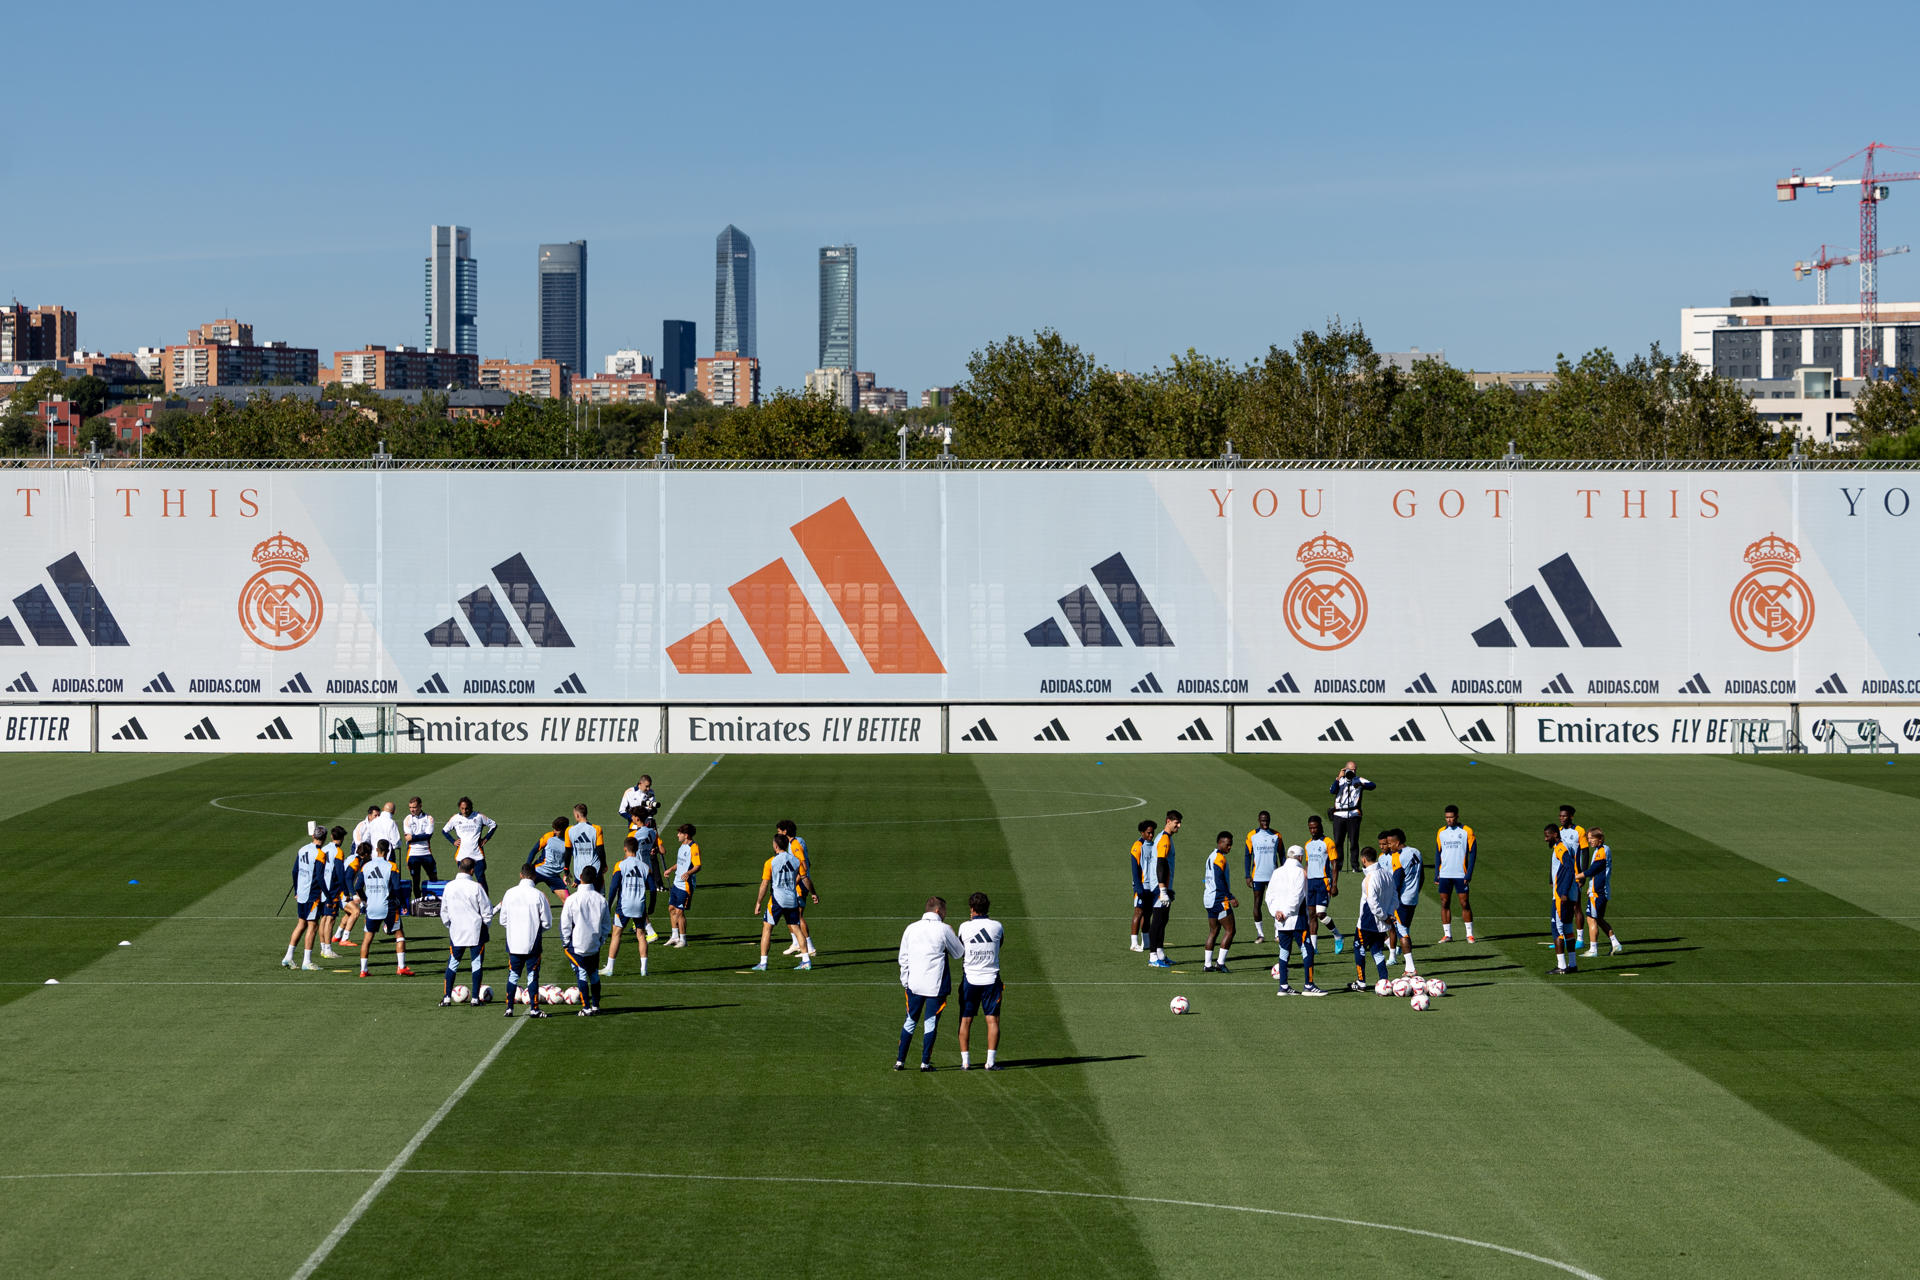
1346 791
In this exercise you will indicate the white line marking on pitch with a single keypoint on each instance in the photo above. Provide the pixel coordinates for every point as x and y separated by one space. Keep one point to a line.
391 1171
622 984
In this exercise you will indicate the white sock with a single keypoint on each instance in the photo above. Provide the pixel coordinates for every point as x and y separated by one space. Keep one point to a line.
307 956
1559 962
643 966
963 1060
289 951
1469 933
1446 931
608 971
991 1055
1222 958
363 964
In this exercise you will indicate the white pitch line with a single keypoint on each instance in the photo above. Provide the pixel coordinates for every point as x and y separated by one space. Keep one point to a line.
1183 970
399 1162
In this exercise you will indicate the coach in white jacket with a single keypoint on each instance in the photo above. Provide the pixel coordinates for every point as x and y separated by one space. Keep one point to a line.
525 919
585 924
1286 899
925 948
465 910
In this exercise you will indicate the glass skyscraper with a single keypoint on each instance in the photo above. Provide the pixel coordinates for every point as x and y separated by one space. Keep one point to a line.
562 332
679 348
453 292
839 307
736 323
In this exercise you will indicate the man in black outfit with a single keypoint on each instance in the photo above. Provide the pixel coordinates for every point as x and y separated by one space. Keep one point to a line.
1346 791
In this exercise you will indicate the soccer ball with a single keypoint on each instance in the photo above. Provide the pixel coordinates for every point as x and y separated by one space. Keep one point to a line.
1416 986
460 995
1419 1002
1435 987
1274 972
1403 986
1179 1004
486 995
522 996
550 994
571 995
1383 988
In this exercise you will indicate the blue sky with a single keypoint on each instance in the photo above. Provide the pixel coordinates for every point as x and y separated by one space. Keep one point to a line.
1503 181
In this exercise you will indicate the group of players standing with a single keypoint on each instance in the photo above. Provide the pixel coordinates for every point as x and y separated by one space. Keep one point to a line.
1294 887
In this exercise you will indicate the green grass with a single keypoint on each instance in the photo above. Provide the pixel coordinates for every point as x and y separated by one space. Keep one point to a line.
1737 1095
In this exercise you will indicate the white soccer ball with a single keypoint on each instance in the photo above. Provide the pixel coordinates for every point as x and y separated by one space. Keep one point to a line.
1419 1002
1383 988
1403 986
571 995
1416 986
1179 1004
522 996
549 994
1274 972
486 995
1436 988
460 995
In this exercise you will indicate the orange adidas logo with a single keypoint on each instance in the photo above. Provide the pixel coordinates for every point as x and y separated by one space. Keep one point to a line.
845 561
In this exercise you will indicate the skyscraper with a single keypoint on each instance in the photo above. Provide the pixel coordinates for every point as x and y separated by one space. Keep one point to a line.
562 332
839 307
453 292
679 349
736 324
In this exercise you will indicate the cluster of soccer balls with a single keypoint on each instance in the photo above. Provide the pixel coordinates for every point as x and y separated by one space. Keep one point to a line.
549 994
1423 991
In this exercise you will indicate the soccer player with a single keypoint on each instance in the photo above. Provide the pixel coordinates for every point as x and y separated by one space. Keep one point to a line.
1456 848
310 892
1263 857
637 802
980 985
1218 903
780 880
350 899
525 919
417 826
548 858
1411 875
1159 892
465 910
381 826
333 878
469 832
1572 834
1287 902
628 894
1141 907
797 844
377 884
585 923
1565 878
1347 790
925 946
1378 900
649 838
686 871
587 845
1599 890
1323 882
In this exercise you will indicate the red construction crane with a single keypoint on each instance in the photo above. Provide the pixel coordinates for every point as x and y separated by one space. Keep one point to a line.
1818 268
1873 189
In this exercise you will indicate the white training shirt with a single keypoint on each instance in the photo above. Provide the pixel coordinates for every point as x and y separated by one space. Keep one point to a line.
418 825
464 907
585 922
524 917
1286 892
924 948
1380 895
382 828
981 937
467 830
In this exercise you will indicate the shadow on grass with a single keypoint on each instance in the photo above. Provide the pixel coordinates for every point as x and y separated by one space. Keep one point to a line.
1076 1060
610 1012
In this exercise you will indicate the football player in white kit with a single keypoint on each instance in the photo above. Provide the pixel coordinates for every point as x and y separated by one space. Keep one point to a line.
980 984
469 832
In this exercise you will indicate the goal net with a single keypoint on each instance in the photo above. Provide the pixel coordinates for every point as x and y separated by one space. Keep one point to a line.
1751 737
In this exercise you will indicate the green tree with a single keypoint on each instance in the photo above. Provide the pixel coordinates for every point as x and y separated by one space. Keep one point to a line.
20 423
97 432
805 427
1023 399
1326 397
1886 417
88 393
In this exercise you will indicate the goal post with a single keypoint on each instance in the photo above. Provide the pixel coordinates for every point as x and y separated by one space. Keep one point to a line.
1756 736
359 729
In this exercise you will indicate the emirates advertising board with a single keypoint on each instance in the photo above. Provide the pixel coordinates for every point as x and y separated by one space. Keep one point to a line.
821 587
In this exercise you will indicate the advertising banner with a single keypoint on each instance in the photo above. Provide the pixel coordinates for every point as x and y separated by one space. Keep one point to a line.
802 730
508 730
902 587
60 728
225 727
1886 728
1371 730
1700 730
1126 729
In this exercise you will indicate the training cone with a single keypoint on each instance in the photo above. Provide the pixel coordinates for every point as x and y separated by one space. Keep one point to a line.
125 943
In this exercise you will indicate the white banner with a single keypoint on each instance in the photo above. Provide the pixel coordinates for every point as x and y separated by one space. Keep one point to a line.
817 587
899 730
1371 730
1613 730
1126 729
210 728
495 730
58 728
1890 728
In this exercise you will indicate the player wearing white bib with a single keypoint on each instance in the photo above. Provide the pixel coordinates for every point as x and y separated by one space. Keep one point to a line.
1323 882
980 985
308 890
417 827
1263 858
1456 848
469 832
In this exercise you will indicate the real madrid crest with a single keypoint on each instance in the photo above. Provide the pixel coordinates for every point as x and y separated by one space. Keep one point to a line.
1772 607
1325 607
280 607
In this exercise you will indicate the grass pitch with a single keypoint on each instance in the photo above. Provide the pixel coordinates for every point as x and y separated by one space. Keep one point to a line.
1737 1095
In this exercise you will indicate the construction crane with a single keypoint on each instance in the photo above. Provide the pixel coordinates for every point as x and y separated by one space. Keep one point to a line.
1819 267
1873 189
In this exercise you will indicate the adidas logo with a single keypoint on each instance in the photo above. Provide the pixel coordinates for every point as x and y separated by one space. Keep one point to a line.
1408 732
1422 685
1054 732
434 684
1833 684
1195 732
1264 732
130 732
347 730
1479 732
1284 684
298 684
1558 684
1124 732
1088 621
571 685
43 619
981 732
1696 685
276 732
489 621
22 685
159 684
1337 732
1147 685
776 610
1536 622
201 732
